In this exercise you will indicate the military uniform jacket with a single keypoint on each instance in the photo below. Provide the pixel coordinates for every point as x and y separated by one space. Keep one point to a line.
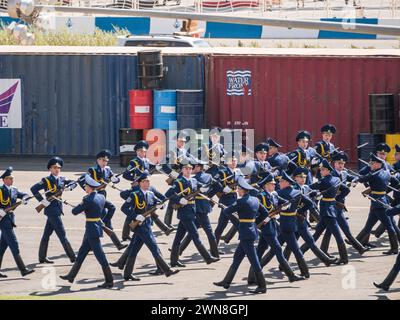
325 149
260 169
53 185
270 201
298 204
203 206
227 198
378 181
306 191
247 207
101 175
302 158
92 205
141 164
139 202
126 193
344 191
8 197
181 156
279 161
190 185
329 185
396 166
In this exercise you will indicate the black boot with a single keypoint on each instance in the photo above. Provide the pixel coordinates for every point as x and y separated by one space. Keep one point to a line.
213 248
175 256
251 278
122 260
43 252
21 266
289 272
126 231
379 231
206 255
117 243
168 214
357 245
69 251
325 243
165 268
184 244
2 275
385 285
130 263
230 234
343 257
162 226
227 280
266 258
108 277
70 277
363 237
156 272
304 247
394 244
303 267
261 284
287 252
323 257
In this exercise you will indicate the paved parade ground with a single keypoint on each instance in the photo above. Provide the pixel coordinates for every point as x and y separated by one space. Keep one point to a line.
353 281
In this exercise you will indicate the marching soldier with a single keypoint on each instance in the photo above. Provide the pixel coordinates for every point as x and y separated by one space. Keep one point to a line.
326 148
303 156
103 174
247 208
269 230
186 215
378 181
228 178
261 167
213 152
276 159
135 207
53 184
396 166
92 205
203 209
8 198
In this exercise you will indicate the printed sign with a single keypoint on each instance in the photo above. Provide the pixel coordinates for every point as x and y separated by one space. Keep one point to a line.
10 103
238 83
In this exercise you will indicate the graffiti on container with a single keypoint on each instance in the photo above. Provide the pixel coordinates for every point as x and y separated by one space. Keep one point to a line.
238 83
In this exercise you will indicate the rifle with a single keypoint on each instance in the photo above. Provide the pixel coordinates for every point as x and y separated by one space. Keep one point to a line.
151 212
14 206
55 196
385 205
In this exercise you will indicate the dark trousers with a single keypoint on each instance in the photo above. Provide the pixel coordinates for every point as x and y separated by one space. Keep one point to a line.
144 235
186 225
93 244
246 248
108 213
272 241
54 224
223 222
8 239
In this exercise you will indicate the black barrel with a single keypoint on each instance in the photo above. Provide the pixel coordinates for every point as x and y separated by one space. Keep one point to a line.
127 139
364 152
190 109
150 69
381 113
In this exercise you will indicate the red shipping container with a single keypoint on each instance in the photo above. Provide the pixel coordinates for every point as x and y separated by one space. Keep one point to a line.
279 95
141 109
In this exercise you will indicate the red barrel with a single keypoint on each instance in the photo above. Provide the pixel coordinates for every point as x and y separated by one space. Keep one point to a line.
141 109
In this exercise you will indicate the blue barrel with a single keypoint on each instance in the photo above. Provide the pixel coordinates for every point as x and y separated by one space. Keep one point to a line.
190 109
164 108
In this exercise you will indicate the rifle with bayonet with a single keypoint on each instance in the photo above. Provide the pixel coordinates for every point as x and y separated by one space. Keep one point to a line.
56 196
15 206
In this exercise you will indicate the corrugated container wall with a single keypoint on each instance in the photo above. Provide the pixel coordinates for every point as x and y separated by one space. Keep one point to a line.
277 96
75 104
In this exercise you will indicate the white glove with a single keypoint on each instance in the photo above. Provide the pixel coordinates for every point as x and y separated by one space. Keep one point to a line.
314 161
115 179
318 197
286 206
158 167
2 213
204 189
45 202
140 218
72 186
183 202
174 175
24 200
206 167
227 189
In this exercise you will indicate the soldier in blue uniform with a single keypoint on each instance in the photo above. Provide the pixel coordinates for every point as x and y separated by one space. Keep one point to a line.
378 179
304 156
8 239
134 207
53 208
92 205
300 175
269 230
385 285
329 187
276 159
226 189
103 174
396 166
339 160
203 209
260 166
213 153
325 148
186 215
247 207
